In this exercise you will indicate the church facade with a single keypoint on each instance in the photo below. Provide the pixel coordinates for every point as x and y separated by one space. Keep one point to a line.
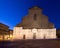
35 25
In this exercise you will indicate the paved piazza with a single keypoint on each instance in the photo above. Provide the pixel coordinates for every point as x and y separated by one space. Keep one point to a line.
43 43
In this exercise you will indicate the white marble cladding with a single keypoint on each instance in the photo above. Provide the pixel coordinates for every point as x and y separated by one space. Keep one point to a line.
20 33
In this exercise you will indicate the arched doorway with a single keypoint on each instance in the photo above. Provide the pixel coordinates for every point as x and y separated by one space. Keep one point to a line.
44 36
34 35
24 37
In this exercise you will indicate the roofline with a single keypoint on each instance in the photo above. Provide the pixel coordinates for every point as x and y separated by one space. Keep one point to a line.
35 6
4 25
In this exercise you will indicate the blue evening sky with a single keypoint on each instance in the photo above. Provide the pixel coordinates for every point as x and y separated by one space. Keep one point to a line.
12 11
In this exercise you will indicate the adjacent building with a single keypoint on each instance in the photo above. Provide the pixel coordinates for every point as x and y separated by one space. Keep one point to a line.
5 32
58 33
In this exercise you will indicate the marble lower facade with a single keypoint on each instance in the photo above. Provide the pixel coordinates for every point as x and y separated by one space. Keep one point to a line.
20 33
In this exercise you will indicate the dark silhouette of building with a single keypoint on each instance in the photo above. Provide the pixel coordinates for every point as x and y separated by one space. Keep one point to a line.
58 33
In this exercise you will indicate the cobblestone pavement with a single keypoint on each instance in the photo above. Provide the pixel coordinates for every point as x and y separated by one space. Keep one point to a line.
42 43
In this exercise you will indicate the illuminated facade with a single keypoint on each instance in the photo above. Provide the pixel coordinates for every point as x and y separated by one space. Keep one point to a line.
35 25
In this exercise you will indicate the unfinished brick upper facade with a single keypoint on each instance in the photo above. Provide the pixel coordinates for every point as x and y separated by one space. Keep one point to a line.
35 19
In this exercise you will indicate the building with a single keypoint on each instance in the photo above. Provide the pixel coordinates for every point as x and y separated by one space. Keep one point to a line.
10 34
35 25
5 32
58 33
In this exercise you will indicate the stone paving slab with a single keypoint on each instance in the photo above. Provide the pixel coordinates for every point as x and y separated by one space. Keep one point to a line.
42 43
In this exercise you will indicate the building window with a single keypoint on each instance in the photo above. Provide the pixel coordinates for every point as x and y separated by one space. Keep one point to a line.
35 17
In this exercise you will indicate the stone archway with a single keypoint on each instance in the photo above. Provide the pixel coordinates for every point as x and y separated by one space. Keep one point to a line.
44 36
24 37
34 35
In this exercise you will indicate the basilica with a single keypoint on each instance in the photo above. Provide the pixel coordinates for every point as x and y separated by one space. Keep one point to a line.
34 25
